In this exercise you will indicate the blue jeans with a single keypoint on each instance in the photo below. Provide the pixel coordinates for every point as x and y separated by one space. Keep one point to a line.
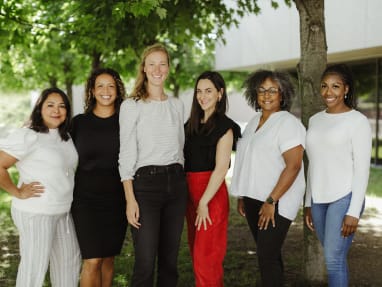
327 220
161 192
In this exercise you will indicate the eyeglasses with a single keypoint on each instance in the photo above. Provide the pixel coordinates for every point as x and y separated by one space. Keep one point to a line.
270 91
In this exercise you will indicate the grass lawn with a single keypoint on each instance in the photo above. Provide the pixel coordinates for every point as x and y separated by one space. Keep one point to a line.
240 262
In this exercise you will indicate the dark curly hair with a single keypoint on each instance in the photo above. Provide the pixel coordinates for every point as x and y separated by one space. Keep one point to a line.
90 100
254 81
36 121
344 72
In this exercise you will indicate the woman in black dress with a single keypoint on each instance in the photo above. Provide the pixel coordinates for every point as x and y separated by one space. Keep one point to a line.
98 207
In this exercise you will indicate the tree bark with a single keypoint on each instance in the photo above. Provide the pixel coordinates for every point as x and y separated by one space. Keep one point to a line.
69 90
312 63
96 60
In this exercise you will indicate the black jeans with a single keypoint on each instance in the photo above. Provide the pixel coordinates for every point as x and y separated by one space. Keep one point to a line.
161 193
268 243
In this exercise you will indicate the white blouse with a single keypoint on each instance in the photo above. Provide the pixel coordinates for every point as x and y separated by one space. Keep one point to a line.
339 151
46 158
259 161
151 133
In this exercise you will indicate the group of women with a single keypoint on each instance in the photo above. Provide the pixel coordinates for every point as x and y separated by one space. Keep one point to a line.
134 160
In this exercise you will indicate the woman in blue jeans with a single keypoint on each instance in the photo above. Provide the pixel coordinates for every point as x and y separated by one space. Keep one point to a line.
338 146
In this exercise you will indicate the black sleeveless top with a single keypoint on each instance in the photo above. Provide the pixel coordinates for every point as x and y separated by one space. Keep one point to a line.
200 149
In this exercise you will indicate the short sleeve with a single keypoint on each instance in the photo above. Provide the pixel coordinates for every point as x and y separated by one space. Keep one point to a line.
291 133
19 143
225 124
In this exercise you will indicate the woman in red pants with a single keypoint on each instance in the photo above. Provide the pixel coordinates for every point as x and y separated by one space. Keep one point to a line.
210 138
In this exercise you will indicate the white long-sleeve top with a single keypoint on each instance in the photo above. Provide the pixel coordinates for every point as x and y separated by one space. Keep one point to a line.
151 133
339 151
259 161
46 158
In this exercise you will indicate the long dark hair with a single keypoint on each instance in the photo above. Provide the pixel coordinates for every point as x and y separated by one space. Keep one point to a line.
193 124
90 100
36 120
254 81
344 72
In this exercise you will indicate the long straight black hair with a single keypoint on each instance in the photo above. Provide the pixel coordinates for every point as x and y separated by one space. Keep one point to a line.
193 124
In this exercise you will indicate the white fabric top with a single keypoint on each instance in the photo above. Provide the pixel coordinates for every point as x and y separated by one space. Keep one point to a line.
151 133
45 158
339 151
259 161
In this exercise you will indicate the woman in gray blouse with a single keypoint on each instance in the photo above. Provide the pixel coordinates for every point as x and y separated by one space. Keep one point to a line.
151 169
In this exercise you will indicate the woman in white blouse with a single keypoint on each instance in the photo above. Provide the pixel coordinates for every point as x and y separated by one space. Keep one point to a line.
151 169
268 175
45 158
338 145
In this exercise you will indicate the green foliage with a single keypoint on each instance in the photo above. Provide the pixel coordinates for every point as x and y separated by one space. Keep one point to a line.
8 250
375 182
15 109
59 42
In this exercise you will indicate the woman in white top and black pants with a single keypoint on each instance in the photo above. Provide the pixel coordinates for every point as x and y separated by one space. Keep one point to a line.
151 169
45 158
268 175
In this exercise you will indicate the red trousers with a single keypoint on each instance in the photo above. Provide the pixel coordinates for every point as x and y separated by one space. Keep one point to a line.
207 247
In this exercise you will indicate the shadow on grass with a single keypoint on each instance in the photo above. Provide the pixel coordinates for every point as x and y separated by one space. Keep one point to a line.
241 269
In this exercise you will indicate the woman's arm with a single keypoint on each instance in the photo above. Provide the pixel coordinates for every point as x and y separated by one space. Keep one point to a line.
33 189
293 162
128 149
223 157
361 153
132 208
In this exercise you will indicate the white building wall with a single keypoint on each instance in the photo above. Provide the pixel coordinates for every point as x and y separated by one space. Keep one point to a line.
271 39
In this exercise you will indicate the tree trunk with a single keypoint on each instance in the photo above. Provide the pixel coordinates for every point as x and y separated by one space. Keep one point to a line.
69 89
312 63
52 81
96 61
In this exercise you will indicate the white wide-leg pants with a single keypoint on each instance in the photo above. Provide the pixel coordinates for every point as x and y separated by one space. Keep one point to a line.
47 240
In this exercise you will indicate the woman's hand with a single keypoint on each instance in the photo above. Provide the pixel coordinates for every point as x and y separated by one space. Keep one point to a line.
28 190
202 216
267 213
240 206
132 213
349 225
308 218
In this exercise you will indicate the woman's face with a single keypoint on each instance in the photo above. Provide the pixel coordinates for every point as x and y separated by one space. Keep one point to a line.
269 96
207 95
156 68
105 90
53 111
333 91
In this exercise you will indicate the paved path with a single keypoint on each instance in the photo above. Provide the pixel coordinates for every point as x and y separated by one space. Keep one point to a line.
372 217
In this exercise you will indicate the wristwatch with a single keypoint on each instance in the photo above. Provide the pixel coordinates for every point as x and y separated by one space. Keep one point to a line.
270 200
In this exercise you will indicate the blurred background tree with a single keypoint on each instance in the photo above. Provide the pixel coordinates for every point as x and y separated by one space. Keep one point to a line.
58 43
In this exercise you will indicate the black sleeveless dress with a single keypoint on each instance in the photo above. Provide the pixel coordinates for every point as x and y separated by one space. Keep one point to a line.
98 207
